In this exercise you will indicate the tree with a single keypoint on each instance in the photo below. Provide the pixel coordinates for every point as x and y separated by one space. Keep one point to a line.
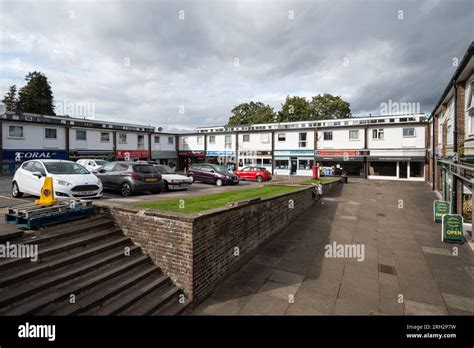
294 109
36 96
251 113
10 100
327 106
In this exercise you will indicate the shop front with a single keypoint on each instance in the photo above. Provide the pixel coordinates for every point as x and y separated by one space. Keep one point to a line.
294 162
396 168
339 162
168 157
12 159
222 158
93 154
465 179
187 158
256 158
132 155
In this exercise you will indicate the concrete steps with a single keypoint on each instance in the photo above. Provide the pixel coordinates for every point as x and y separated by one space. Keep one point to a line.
88 267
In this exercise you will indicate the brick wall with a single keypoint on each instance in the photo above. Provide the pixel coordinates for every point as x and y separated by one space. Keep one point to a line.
198 251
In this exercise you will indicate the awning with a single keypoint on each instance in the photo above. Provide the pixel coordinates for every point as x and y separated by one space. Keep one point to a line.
339 159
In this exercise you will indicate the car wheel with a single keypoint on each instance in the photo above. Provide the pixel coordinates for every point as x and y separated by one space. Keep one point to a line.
192 178
125 189
219 182
259 178
16 190
166 188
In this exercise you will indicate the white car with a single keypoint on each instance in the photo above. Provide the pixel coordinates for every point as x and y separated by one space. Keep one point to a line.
70 179
173 181
93 165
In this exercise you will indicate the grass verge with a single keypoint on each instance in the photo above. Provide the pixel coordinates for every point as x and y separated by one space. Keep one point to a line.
216 200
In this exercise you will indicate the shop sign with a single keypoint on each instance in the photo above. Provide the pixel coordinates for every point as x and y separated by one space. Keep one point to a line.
132 154
463 173
19 156
191 153
293 153
253 153
220 153
440 208
452 228
344 153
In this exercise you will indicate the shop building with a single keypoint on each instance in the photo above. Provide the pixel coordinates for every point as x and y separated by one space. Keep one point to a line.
452 140
164 149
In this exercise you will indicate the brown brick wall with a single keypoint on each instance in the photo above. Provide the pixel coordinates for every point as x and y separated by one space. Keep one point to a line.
460 110
197 252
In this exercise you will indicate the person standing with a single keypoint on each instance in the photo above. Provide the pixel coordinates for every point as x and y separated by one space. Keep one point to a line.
319 194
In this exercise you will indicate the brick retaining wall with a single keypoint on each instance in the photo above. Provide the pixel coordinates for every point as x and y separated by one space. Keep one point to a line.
198 251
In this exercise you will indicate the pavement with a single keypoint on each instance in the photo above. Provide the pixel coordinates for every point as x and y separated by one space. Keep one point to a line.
406 269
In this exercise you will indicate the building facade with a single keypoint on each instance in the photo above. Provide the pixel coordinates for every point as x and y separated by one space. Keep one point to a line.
451 130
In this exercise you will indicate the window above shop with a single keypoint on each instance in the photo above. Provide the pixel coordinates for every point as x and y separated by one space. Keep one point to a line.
327 136
212 139
354 134
15 131
281 137
105 137
157 139
122 139
199 139
378 134
408 132
246 138
50 133
140 142
170 140
81 135
265 138
302 140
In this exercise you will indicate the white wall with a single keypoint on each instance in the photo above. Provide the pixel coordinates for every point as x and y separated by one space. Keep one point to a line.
292 140
191 143
468 100
257 141
93 140
33 137
131 143
164 145
219 144
340 139
393 138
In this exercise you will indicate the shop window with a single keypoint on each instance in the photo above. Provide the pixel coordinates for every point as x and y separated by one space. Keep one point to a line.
417 169
302 139
105 137
281 137
157 139
305 164
258 161
354 134
212 139
15 131
267 162
281 164
408 132
123 138
248 161
140 142
81 135
50 133
383 168
377 134
327 135
170 140
467 204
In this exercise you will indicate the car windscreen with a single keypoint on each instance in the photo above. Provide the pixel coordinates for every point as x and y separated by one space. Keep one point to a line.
100 163
221 169
165 170
144 168
65 168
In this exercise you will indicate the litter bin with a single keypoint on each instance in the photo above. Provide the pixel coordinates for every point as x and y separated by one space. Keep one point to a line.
344 178
315 172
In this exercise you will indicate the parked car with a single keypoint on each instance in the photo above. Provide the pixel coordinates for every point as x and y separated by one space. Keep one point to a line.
92 165
171 180
211 173
258 174
130 177
70 179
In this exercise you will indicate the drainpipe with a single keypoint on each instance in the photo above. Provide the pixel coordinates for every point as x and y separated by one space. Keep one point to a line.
433 157
454 203
366 147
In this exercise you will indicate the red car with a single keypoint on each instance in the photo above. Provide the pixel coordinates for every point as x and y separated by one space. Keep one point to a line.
258 174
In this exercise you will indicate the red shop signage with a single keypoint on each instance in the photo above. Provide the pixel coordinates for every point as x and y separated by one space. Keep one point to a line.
191 153
132 154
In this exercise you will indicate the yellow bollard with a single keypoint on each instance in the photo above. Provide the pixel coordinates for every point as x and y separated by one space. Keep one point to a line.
47 193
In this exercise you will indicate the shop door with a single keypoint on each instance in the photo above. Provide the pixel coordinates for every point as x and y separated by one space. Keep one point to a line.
294 165
403 170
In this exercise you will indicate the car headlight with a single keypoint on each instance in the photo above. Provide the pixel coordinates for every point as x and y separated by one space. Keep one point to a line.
62 182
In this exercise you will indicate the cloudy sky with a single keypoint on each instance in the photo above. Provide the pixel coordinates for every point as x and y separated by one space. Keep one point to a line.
182 64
